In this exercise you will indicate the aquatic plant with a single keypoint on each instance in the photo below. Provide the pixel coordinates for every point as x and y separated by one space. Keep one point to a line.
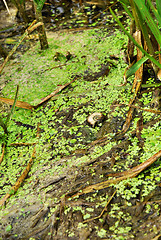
145 17
4 123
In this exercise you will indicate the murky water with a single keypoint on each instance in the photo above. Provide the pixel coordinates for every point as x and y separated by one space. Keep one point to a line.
57 15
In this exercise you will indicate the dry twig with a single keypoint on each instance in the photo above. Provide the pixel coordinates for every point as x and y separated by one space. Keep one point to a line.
3 151
105 209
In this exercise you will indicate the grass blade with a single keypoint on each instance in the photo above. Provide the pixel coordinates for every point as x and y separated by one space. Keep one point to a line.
158 4
157 12
13 107
149 20
127 10
135 67
132 39
3 125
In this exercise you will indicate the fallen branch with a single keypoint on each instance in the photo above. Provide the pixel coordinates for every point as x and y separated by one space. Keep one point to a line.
105 209
136 85
124 175
19 104
28 106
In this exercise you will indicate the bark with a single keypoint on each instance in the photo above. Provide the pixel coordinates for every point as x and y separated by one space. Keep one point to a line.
41 29
130 47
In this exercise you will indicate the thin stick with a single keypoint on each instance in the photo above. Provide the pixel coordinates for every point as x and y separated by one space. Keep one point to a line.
3 151
6 7
54 93
105 209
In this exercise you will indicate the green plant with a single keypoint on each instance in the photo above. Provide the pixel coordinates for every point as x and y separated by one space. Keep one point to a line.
4 124
148 20
39 4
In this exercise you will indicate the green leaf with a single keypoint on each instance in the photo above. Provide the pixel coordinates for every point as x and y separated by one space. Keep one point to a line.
157 12
13 107
36 1
134 41
22 1
126 2
145 12
151 85
158 4
135 67
40 5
